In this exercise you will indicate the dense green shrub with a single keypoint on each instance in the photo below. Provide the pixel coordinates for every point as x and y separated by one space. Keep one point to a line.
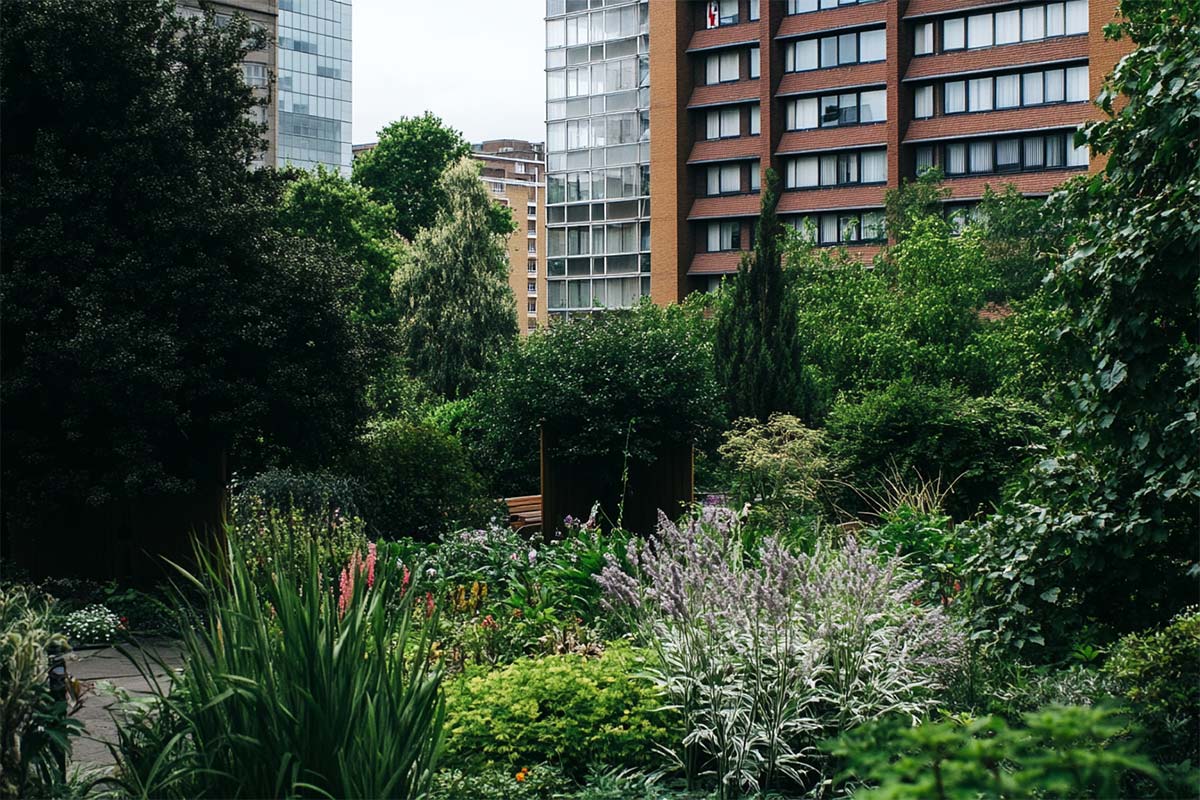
34 727
918 432
1058 752
1159 673
778 466
315 495
530 782
600 386
417 481
929 545
566 710
289 689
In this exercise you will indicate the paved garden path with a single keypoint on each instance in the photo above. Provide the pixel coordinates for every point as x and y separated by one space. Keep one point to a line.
106 664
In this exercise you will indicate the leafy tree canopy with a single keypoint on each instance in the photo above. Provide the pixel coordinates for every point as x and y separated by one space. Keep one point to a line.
453 293
154 320
404 170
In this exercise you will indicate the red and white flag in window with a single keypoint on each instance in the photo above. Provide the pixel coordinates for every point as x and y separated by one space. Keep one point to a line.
714 14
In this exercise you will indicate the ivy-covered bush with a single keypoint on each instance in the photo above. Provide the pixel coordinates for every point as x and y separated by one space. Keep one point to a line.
416 480
1158 672
918 432
600 386
1055 752
569 711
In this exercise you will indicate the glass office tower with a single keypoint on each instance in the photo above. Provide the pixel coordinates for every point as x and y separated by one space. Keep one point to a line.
314 84
597 154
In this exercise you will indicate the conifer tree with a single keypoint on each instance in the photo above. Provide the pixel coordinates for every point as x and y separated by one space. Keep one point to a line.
757 350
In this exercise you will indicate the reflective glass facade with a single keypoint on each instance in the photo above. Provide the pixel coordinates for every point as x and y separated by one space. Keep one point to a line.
314 83
597 154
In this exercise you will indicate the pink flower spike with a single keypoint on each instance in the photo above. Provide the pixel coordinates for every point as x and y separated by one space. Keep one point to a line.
370 565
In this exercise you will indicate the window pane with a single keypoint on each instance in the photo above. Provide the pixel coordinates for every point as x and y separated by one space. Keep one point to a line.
754 9
1055 19
731 178
848 48
1055 150
1008 154
1031 88
956 159
755 62
923 102
729 66
714 237
953 34
1077 17
1077 84
874 106
1033 23
924 158
829 48
829 111
712 69
847 109
979 94
713 185
803 113
1034 148
981 156
954 97
979 30
1008 27
806 173
1076 156
1055 86
755 119
874 166
829 229
872 46
731 120
755 185
872 225
923 39
829 170
1008 91
805 54
713 125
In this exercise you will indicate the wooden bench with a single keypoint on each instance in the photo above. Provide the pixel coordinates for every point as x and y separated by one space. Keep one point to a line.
525 513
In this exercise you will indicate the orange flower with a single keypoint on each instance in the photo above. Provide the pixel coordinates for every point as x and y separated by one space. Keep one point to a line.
520 776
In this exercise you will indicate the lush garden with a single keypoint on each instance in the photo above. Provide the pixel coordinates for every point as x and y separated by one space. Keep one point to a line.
946 546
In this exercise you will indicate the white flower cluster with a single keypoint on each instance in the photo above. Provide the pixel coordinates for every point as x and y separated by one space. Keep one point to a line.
94 624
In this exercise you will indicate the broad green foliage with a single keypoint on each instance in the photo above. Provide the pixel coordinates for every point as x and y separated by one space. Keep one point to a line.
1058 752
289 690
778 466
1105 529
416 481
914 201
622 381
453 294
1159 673
912 432
327 207
34 727
404 170
154 321
757 352
911 315
569 711
929 545
1023 237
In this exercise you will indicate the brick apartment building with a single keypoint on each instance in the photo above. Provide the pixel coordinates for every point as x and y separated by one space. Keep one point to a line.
842 98
514 171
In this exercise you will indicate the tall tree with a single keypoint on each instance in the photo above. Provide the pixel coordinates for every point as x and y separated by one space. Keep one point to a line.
157 329
757 349
457 306
404 169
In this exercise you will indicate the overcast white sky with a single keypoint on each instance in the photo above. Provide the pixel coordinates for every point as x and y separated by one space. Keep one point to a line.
478 64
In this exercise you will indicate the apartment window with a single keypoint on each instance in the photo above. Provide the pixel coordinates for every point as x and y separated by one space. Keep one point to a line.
530 209
802 113
755 119
531 306
255 74
1010 154
954 33
532 249
924 157
842 228
1008 91
923 39
755 62
980 30
724 236
722 67
1027 24
836 169
979 94
531 287
836 51
851 108
807 6
728 12
532 227
755 12
531 266
755 176
923 102
723 123
724 179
